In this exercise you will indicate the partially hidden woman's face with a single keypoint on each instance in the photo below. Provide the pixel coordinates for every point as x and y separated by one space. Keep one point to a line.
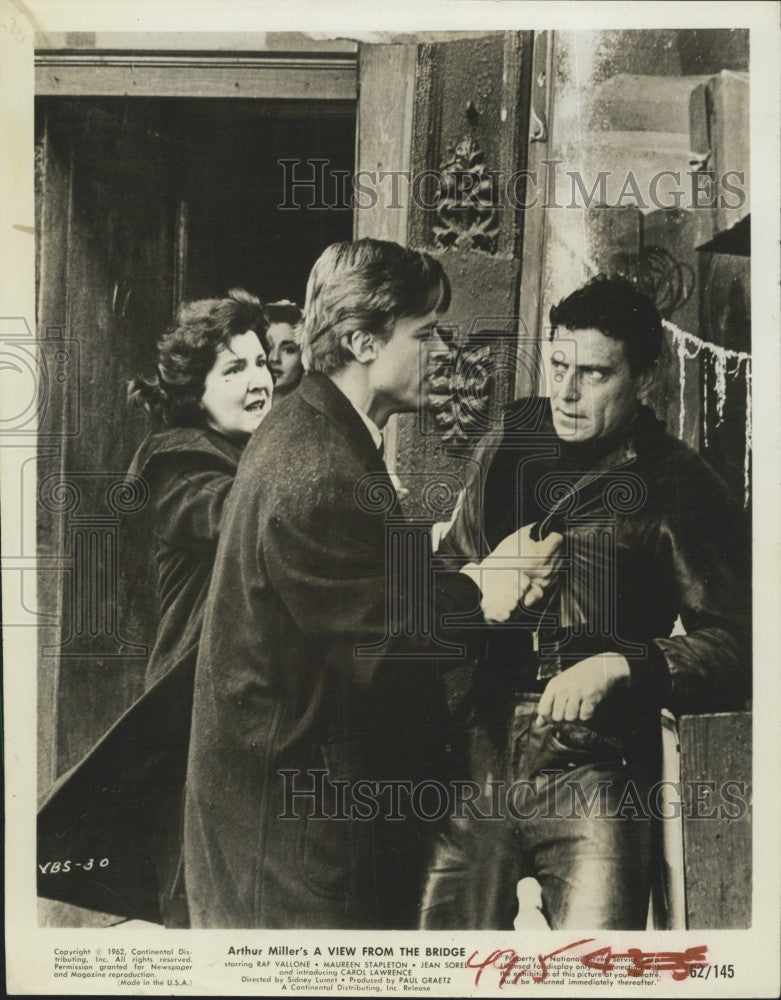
284 357
237 392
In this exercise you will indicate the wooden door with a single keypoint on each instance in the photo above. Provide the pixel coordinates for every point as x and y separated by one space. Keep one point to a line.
106 268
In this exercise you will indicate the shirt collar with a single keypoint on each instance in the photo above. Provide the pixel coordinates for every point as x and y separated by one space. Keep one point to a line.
374 430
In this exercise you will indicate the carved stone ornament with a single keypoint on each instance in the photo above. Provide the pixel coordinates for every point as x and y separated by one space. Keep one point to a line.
466 212
460 393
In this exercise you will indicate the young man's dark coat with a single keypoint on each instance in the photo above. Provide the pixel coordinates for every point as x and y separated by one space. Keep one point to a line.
300 581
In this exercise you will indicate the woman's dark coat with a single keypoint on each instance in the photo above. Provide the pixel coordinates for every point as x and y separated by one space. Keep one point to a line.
189 472
121 806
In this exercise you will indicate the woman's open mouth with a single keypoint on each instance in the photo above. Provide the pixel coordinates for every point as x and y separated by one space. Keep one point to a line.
256 405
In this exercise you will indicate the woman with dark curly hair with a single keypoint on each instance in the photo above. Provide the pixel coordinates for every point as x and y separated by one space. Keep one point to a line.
123 801
212 389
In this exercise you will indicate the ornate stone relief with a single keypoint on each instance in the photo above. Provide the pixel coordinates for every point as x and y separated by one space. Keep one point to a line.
466 212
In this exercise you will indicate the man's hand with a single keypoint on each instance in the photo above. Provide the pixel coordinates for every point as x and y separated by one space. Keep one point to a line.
518 569
575 693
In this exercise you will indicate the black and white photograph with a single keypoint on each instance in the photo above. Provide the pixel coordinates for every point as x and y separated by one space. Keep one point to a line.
390 465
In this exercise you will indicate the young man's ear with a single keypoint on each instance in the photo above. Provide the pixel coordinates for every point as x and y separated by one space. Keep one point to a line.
361 345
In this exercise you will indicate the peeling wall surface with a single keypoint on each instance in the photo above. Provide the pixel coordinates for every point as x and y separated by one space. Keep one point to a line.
647 159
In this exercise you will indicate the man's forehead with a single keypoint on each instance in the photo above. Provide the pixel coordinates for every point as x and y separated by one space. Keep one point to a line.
589 346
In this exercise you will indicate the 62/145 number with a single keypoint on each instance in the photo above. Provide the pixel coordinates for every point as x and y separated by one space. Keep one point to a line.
718 971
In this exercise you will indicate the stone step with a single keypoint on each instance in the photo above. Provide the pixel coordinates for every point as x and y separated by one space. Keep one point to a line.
630 102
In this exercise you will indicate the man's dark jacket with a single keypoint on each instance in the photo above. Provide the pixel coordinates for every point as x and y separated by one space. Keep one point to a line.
652 535
299 580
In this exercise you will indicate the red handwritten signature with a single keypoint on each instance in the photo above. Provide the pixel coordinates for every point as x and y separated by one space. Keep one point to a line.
509 963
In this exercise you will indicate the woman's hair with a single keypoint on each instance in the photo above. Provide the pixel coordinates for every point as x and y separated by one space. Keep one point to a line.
186 354
365 285
284 311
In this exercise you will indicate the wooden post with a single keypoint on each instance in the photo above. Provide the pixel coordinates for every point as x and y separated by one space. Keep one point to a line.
716 780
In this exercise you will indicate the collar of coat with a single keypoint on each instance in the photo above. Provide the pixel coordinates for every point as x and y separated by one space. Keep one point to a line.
324 396
586 489
185 440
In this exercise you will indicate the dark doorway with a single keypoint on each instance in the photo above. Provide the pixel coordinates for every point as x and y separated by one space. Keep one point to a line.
220 178
234 185
141 202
